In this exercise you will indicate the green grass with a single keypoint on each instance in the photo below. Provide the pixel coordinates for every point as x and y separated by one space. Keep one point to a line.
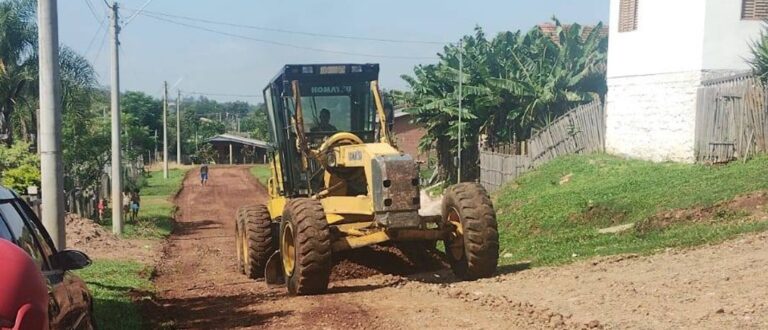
548 223
113 283
262 172
156 213
157 186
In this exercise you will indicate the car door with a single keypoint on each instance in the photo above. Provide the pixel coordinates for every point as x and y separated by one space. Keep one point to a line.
65 311
80 299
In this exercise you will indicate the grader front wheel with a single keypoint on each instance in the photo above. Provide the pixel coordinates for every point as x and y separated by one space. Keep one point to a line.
472 248
305 247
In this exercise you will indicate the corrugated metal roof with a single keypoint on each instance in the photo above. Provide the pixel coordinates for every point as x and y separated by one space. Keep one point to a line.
239 139
401 113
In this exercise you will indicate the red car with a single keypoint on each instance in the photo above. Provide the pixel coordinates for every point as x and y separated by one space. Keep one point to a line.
68 303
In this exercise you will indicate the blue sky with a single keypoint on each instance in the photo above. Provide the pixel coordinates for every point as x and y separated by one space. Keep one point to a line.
153 51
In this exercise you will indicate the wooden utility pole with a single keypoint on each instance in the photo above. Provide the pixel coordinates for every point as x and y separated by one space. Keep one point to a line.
51 168
165 130
178 128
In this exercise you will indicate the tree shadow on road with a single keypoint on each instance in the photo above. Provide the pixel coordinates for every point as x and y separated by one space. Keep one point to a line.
211 312
191 227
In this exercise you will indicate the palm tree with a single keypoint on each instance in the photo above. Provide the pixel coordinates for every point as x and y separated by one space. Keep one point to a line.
18 39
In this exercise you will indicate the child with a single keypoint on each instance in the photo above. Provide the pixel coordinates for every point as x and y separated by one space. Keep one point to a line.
101 206
135 203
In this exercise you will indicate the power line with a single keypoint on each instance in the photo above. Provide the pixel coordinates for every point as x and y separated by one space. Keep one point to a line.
223 94
93 39
136 13
93 11
103 41
276 43
313 34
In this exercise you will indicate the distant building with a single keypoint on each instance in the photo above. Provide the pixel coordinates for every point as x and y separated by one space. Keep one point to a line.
407 135
659 53
233 149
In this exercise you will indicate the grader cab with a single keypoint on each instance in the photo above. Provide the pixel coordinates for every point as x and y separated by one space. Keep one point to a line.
338 182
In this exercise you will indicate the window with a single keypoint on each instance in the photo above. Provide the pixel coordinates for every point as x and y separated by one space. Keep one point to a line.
46 245
336 107
627 15
21 232
5 233
754 9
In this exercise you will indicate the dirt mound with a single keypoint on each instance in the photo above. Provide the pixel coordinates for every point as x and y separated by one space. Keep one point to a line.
85 234
403 259
99 243
748 207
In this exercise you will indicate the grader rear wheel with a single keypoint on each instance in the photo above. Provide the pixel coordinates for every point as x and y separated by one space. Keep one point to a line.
254 239
473 247
305 247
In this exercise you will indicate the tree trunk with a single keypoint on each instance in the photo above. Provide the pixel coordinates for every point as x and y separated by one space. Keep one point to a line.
446 159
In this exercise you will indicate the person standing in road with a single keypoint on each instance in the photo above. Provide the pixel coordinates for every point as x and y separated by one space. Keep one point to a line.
204 174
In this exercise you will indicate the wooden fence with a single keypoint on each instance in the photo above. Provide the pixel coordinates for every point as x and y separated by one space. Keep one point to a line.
731 119
581 130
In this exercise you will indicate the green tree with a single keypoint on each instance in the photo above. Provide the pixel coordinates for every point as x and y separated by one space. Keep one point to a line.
512 83
18 60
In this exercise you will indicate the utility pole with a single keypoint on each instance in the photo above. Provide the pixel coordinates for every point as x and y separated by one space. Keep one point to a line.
461 80
117 174
178 128
52 173
156 141
165 130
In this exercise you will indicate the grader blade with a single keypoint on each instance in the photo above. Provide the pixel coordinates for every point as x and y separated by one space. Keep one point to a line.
273 271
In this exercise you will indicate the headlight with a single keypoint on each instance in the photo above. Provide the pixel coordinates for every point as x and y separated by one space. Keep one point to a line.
330 159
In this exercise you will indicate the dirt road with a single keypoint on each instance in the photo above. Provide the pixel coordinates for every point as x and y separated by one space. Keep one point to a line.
719 286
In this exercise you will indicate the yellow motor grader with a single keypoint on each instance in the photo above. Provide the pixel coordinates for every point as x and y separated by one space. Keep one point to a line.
338 182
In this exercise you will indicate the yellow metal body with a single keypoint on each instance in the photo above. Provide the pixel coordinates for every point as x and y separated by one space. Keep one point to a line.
352 216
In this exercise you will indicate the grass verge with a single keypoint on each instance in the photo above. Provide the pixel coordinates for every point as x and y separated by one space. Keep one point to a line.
262 172
156 214
552 215
113 283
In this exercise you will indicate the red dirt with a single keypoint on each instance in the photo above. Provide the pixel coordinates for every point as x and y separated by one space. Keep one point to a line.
719 286
99 243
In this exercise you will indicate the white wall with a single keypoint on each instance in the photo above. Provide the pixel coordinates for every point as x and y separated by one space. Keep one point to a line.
652 117
668 38
727 37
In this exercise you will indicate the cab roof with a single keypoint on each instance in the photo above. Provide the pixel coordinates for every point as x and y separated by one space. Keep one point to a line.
351 71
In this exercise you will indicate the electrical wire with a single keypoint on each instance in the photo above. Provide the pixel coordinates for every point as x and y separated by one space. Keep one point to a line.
136 13
276 43
312 34
93 39
222 94
93 11
103 41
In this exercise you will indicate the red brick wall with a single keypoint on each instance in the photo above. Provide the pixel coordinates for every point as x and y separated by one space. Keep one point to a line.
407 136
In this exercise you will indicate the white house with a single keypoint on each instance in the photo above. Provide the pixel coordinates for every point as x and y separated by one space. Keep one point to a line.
659 53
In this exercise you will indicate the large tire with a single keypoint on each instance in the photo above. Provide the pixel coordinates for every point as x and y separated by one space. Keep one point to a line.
305 247
474 253
256 233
